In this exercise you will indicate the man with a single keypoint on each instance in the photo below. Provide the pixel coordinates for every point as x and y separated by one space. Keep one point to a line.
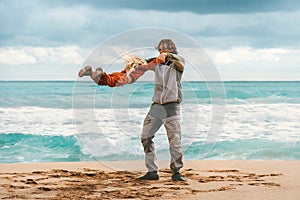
165 109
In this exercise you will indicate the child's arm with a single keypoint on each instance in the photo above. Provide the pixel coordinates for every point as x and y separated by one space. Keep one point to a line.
152 62
162 58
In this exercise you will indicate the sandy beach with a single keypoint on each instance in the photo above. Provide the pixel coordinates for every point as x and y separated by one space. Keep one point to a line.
96 180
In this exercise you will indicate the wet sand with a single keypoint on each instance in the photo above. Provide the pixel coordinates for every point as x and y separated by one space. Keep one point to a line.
206 180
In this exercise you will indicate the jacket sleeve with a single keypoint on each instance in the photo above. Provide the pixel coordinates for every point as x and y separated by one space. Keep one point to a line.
177 60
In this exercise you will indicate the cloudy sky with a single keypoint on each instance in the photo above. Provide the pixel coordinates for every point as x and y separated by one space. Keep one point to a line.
246 40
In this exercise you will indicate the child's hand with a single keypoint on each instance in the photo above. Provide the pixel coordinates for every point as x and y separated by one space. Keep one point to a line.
161 58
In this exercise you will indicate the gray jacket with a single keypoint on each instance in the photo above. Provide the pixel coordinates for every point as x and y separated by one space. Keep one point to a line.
168 82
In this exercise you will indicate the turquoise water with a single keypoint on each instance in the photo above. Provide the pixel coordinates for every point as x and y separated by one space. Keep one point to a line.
51 121
59 94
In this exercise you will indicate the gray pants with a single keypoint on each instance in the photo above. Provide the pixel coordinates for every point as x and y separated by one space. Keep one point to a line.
169 115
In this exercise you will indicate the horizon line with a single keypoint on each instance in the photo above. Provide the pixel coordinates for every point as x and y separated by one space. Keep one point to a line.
153 81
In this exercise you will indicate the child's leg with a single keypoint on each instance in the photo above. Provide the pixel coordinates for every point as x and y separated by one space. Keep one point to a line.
97 74
114 79
86 71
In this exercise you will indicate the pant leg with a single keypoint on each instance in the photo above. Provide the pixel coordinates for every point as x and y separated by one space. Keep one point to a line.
151 125
173 128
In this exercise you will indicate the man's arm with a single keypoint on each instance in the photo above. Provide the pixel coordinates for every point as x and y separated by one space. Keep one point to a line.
177 60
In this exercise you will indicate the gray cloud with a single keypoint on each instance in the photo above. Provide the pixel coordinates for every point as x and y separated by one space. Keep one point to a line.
196 6
215 23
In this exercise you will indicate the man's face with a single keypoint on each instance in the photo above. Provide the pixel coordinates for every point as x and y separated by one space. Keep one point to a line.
163 48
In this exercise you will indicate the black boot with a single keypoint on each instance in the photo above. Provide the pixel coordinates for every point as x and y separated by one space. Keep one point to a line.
178 177
149 176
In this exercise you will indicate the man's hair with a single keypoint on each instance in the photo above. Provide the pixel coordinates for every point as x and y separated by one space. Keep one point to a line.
170 45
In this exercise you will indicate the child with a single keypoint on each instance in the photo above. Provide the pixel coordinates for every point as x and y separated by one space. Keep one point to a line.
131 73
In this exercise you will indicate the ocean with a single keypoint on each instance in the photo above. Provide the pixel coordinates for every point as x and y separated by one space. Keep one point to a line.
63 121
